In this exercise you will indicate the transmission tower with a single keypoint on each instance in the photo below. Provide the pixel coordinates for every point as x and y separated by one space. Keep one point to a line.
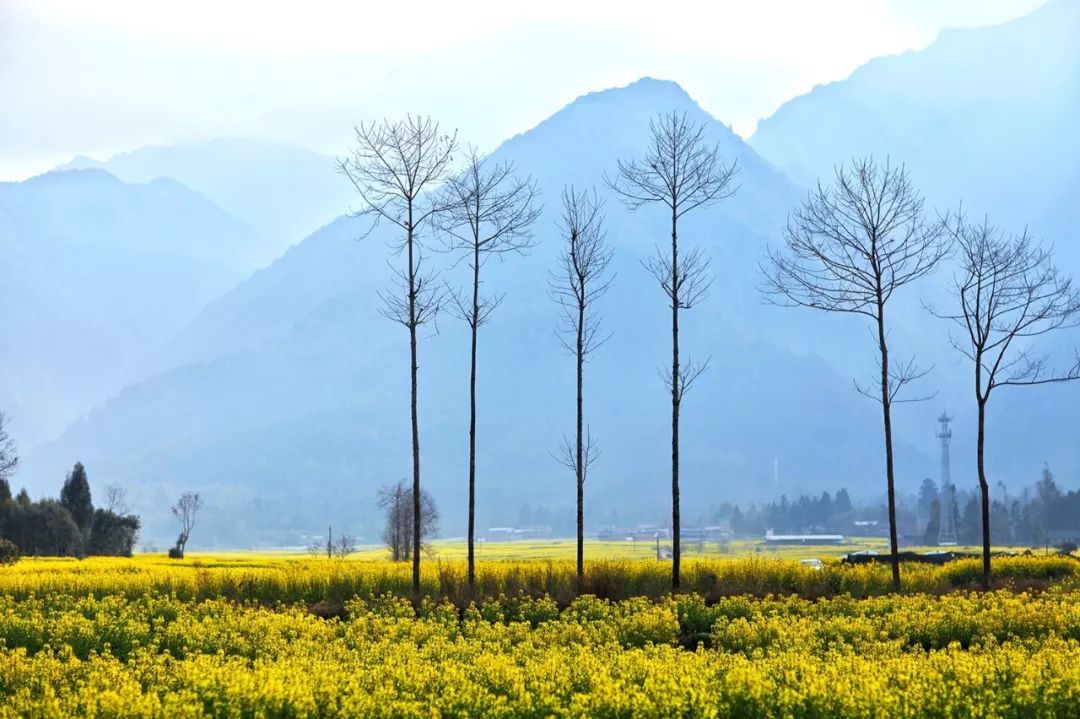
947 522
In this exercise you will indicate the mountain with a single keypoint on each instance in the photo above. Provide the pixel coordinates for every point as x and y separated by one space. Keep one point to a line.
984 116
282 192
98 272
287 398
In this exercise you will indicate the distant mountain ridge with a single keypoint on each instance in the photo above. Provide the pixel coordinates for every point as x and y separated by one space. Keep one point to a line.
282 192
986 116
97 272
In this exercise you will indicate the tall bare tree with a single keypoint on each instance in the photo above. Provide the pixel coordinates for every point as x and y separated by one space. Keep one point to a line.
9 452
116 500
682 172
391 167
581 277
184 511
489 213
849 248
1008 293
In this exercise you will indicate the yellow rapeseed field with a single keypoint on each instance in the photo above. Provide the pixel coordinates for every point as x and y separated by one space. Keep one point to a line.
274 637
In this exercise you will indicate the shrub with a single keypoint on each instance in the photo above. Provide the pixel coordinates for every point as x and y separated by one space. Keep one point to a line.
9 553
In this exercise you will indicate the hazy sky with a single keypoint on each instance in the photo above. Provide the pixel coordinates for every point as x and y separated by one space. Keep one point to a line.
95 78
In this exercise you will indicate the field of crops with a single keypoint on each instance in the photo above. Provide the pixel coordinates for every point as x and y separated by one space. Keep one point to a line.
563 548
270 637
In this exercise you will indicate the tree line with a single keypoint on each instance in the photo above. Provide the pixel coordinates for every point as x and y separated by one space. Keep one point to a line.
70 526
852 246
1040 516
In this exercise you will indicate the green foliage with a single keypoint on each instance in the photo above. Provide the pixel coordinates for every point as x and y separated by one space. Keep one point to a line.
75 496
112 534
43 528
9 553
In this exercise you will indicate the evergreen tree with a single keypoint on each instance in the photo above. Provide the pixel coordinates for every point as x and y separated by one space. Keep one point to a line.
842 504
738 524
970 525
75 498
928 493
933 526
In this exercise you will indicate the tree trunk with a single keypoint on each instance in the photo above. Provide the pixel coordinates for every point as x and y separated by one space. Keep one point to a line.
984 489
579 459
472 415
890 478
675 400
413 412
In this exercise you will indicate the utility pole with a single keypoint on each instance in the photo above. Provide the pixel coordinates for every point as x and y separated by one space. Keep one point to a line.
947 521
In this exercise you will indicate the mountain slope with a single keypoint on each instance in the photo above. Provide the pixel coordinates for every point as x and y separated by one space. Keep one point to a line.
98 272
983 116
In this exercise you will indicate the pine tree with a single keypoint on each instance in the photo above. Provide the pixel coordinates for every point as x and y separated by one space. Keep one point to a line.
75 498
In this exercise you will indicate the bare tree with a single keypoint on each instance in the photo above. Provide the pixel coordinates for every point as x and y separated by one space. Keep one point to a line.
185 510
398 512
1009 293
849 248
344 546
391 167
489 213
116 500
9 452
681 172
580 278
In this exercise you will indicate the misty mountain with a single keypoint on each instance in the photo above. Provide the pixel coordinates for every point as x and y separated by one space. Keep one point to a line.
283 193
984 116
97 273
287 396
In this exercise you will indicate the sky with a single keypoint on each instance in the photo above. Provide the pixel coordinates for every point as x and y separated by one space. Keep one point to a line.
97 78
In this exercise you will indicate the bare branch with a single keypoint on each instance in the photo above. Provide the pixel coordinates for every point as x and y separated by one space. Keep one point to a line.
393 164
679 170
9 452
567 455
851 245
116 500
582 276
1008 292
487 212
